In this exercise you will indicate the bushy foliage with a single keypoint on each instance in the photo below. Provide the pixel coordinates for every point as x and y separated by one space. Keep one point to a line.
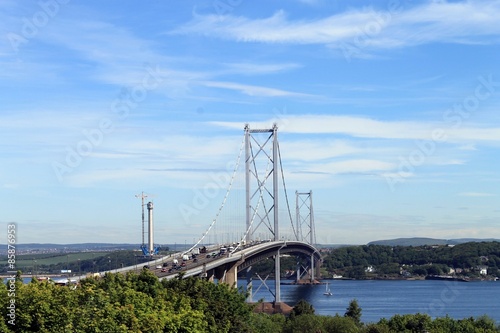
129 303
302 308
141 303
351 261
353 311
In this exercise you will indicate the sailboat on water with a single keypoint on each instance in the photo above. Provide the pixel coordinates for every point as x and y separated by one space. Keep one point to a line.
327 291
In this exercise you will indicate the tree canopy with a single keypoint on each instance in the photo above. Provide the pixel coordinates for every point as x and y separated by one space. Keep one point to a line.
352 261
142 303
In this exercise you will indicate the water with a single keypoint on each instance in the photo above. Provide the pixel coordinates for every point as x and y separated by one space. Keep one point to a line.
28 279
383 299
379 299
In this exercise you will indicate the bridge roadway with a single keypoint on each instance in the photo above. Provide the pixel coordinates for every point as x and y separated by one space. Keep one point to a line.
226 267
222 267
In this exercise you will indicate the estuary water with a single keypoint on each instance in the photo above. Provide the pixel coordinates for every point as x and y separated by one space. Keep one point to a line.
384 298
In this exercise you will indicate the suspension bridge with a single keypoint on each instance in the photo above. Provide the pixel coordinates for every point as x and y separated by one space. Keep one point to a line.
268 231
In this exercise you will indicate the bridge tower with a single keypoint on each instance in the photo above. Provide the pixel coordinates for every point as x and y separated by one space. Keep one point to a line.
305 217
261 164
306 231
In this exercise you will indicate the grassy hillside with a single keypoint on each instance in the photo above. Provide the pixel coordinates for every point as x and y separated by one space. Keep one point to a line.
28 260
421 241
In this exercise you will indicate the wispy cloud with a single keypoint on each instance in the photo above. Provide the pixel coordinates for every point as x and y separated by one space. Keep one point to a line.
363 166
469 146
307 150
364 127
252 90
475 194
259 69
436 21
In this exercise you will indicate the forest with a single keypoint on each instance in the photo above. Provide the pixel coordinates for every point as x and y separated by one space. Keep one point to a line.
348 261
400 261
462 259
142 303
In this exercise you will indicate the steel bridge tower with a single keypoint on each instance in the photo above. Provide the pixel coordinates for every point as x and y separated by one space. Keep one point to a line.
306 232
258 156
305 217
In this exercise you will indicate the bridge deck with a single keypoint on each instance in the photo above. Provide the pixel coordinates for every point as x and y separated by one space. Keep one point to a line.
164 268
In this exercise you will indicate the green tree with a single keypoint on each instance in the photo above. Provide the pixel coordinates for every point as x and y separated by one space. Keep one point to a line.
265 323
302 308
353 311
224 306
303 323
376 328
419 323
357 272
338 324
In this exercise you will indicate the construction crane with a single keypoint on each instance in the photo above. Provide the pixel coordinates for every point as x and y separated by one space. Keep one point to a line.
142 196
150 249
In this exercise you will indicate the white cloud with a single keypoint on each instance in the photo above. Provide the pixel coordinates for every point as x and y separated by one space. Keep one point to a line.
259 69
311 150
364 127
456 22
451 162
251 90
309 2
363 166
475 194
469 146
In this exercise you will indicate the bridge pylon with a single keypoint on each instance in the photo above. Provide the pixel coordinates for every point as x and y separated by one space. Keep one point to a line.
262 165
305 228
305 217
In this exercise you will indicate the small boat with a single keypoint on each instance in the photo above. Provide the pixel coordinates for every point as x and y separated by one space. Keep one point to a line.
327 291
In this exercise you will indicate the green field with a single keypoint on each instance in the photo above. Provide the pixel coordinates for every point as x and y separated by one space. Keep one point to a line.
28 260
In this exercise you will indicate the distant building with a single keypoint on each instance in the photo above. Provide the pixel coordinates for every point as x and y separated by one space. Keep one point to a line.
483 270
369 269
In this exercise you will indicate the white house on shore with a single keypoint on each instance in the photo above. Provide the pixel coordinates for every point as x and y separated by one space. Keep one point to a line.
483 270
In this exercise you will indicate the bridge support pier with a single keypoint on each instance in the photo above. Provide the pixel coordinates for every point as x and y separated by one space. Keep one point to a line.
232 276
227 274
313 268
318 268
249 283
277 277
297 278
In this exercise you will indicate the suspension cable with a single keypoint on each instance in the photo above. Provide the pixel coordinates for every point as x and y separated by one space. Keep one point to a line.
223 201
261 199
286 195
250 225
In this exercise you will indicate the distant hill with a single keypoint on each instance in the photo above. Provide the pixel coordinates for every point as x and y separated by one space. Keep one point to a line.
419 241
80 246
83 247
332 246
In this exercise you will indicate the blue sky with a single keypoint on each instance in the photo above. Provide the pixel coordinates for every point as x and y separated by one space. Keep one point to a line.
386 110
